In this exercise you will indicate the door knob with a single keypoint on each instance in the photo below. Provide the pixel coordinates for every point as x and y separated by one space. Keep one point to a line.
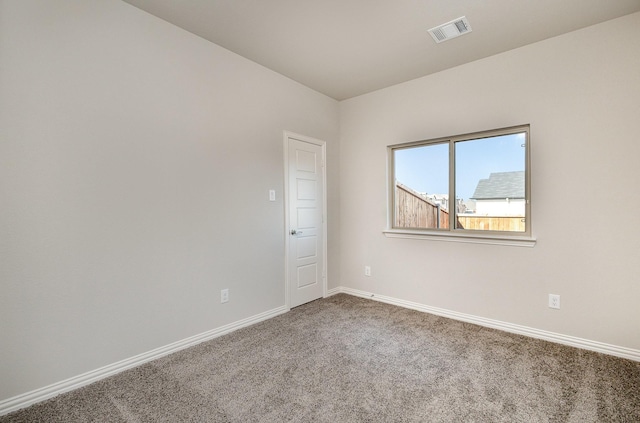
294 232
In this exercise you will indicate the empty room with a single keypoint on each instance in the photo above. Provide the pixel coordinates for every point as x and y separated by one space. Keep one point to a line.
329 211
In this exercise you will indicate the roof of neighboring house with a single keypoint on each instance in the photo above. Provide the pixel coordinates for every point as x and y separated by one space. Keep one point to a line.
500 185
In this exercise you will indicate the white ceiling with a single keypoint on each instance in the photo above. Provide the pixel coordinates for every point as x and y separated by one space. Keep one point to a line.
344 48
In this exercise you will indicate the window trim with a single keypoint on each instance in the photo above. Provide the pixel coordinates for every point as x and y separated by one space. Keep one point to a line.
452 233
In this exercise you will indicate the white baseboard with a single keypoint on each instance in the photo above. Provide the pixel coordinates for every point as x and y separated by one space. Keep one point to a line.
334 291
558 338
41 394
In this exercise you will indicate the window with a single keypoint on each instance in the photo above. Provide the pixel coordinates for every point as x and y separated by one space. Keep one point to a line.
474 185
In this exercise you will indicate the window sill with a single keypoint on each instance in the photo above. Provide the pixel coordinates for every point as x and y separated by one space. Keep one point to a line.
514 241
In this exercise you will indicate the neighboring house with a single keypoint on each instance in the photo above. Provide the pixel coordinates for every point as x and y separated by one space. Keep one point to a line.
441 199
502 194
466 206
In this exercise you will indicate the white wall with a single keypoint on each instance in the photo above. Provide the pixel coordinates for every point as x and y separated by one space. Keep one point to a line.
135 164
581 94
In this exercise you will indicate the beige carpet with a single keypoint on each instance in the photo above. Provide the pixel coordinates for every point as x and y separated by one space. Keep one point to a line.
347 359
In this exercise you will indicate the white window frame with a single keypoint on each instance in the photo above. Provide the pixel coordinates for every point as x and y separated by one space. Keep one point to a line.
524 239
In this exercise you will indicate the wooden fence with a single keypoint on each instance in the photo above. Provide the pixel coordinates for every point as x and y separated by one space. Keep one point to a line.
491 223
415 211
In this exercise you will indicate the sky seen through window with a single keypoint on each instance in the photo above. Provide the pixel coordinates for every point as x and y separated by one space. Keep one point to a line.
426 168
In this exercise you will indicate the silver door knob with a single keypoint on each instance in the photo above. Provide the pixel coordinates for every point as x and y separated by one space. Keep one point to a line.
294 232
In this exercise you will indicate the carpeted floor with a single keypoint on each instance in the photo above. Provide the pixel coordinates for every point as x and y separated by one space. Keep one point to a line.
348 359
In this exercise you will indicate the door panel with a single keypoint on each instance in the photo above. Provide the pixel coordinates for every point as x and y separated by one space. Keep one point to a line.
307 247
306 218
307 275
306 189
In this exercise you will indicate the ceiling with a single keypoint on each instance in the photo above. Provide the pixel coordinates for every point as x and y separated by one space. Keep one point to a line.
344 48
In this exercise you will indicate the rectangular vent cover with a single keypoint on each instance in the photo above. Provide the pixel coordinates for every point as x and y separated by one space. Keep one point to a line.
453 29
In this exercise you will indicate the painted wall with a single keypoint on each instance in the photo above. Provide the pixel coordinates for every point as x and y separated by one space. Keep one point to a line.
581 94
135 164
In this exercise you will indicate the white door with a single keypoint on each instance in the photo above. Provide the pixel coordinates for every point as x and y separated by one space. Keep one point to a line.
306 234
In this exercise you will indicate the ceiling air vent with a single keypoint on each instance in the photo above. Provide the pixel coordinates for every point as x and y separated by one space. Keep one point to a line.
453 29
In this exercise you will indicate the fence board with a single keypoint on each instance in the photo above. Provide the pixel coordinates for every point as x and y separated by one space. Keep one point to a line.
415 211
492 223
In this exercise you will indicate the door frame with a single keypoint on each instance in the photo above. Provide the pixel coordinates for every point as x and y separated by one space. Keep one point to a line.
288 135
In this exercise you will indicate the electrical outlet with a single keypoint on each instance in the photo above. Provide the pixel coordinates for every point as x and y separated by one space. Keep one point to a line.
224 296
367 270
554 301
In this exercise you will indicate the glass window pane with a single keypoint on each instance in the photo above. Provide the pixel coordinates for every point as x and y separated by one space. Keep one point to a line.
490 183
421 187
